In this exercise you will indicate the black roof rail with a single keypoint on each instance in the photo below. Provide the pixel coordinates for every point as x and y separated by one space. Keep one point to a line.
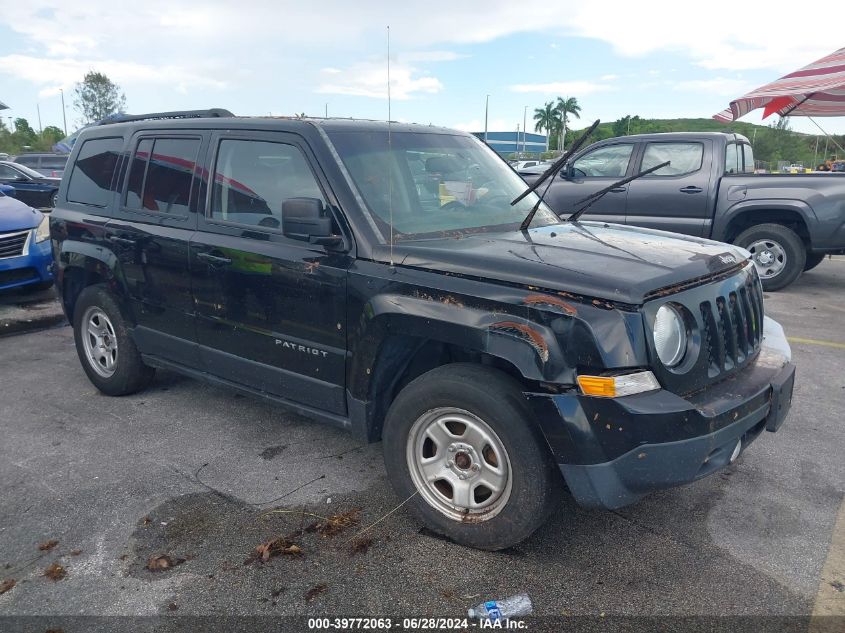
176 114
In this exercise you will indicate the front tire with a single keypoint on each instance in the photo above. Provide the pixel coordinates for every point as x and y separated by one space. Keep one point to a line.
777 252
105 348
460 442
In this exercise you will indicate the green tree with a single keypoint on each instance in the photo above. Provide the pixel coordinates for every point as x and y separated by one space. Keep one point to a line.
564 108
24 135
97 97
52 134
545 118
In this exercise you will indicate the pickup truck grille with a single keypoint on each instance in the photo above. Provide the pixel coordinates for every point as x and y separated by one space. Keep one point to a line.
12 244
732 327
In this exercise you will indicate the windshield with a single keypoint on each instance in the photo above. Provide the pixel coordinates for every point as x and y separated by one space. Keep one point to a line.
434 184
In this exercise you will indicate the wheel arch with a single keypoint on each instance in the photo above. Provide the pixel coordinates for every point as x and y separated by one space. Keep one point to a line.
797 217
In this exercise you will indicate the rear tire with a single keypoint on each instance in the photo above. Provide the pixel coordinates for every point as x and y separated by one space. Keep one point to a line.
777 252
453 431
813 260
105 348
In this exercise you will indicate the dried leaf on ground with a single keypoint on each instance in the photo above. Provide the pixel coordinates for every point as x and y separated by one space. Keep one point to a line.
335 524
48 545
55 572
279 546
361 545
315 591
6 585
163 562
75 552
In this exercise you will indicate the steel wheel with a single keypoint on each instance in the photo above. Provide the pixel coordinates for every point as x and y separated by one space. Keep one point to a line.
458 464
769 257
100 342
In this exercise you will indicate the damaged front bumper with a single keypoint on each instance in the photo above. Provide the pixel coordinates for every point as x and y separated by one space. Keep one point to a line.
613 452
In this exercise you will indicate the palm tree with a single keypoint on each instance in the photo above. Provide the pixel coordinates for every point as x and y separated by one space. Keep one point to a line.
564 108
546 119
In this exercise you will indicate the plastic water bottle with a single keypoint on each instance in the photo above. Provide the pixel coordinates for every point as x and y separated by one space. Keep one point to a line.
496 610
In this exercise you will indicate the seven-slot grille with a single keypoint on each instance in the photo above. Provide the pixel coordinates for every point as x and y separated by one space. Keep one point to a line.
733 327
12 244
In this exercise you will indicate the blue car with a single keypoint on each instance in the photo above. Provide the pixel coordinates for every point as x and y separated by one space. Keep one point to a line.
25 255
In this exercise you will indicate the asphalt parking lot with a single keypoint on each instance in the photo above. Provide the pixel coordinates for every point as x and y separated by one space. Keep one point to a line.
201 474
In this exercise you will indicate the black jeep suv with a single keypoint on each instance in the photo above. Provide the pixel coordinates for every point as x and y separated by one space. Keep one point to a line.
374 276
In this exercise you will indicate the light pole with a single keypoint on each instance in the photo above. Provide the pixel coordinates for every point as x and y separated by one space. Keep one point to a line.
64 116
486 110
524 119
327 110
517 142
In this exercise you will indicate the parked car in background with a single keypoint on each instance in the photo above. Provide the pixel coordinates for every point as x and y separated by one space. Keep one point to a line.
25 255
838 166
51 165
524 164
30 187
787 222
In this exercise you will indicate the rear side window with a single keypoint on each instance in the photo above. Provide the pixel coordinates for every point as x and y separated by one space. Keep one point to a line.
51 162
92 177
684 158
748 158
733 160
161 175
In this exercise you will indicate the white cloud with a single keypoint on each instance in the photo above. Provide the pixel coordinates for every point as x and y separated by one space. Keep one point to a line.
610 77
724 87
369 79
54 74
579 88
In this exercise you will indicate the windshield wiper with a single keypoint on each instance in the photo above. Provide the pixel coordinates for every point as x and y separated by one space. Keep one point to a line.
549 175
594 197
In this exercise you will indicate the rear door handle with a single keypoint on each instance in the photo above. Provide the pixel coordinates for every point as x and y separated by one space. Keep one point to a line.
214 260
617 190
123 241
691 189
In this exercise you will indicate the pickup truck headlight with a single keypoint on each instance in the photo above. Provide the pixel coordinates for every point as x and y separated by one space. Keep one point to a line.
670 335
43 231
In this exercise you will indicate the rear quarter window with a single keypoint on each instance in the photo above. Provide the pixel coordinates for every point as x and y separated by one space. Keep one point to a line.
92 179
29 161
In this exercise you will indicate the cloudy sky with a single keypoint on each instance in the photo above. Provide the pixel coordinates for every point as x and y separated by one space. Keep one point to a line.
652 58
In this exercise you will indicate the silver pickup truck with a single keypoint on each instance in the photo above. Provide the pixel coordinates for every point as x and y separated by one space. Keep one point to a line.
788 222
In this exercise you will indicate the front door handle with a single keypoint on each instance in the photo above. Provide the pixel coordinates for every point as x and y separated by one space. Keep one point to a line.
214 260
691 189
123 241
617 190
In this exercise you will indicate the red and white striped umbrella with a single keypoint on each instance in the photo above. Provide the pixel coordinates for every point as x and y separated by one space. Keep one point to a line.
815 90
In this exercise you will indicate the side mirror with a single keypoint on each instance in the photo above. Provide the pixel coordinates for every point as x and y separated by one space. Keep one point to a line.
305 219
566 172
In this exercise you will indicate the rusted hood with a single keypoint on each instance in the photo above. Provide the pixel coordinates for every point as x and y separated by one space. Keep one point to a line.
592 259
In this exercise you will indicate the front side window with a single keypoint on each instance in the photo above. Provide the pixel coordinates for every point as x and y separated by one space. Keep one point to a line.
92 177
252 179
428 184
610 161
161 174
684 158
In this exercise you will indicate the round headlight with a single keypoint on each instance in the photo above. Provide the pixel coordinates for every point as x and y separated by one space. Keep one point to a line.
670 336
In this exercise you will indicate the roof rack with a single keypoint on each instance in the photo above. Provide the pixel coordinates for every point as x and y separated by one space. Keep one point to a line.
177 114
